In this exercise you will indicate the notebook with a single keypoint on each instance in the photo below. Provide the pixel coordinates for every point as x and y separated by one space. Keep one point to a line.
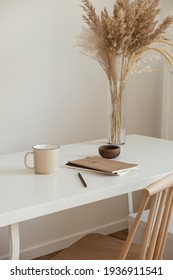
99 164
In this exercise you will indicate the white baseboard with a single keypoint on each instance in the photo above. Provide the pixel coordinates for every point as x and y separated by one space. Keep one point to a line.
61 243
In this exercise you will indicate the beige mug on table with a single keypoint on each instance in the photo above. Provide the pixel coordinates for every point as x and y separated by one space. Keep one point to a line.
45 158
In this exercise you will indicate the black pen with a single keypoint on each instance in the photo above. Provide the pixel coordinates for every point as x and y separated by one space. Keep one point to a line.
82 180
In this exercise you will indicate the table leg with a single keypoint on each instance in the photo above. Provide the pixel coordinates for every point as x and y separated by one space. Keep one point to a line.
130 202
14 242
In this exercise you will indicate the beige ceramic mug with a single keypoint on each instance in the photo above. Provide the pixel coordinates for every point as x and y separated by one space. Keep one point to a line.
45 158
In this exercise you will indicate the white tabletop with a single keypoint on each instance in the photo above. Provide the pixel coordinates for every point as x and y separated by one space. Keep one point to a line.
25 195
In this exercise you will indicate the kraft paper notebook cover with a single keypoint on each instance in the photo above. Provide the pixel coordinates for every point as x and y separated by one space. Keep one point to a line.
96 163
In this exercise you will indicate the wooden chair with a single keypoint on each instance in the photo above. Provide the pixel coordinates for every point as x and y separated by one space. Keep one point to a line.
101 247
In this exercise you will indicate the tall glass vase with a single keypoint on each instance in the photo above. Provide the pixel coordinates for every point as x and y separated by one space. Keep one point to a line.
116 112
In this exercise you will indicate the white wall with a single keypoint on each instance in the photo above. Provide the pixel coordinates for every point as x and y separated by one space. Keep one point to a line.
50 92
144 92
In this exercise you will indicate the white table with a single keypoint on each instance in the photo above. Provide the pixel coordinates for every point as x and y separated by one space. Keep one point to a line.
25 195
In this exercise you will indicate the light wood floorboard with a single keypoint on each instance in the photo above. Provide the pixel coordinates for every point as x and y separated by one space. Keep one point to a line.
120 234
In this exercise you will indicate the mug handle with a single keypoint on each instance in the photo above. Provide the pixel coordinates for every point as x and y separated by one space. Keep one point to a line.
25 160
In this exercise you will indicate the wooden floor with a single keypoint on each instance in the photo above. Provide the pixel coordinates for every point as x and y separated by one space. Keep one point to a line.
120 234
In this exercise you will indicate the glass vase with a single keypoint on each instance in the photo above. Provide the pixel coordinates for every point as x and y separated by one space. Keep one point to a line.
116 112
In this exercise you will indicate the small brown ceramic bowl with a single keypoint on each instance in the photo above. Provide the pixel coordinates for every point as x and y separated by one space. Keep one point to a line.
109 151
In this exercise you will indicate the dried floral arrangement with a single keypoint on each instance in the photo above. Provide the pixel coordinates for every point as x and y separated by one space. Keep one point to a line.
118 42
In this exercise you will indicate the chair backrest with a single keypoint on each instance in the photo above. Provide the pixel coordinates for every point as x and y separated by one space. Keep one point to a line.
160 210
